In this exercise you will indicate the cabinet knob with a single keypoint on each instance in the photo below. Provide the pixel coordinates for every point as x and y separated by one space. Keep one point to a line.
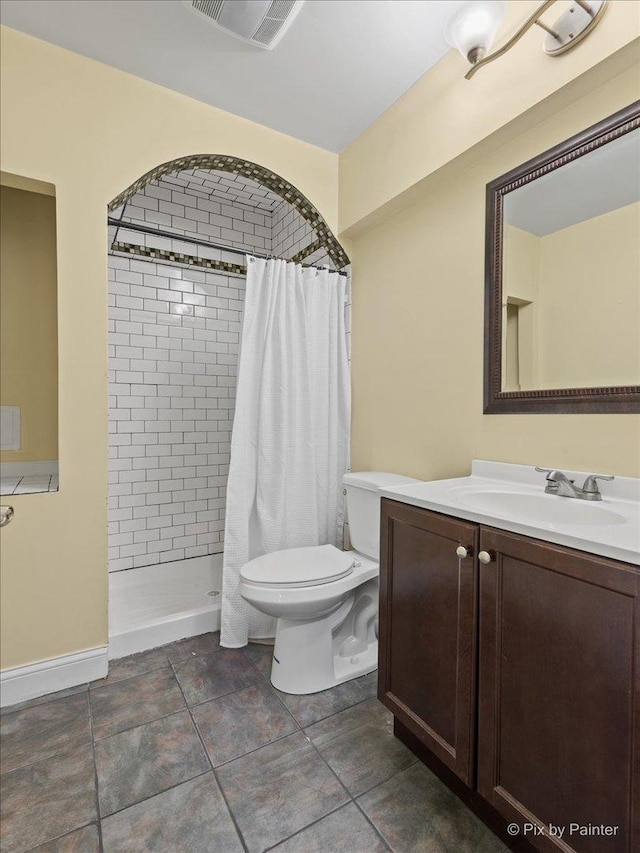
486 557
462 552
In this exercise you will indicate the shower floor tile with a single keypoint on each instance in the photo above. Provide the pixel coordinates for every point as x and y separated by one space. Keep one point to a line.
194 750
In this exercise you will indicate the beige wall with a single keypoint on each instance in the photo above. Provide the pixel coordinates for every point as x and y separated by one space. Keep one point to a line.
28 321
418 330
590 302
62 122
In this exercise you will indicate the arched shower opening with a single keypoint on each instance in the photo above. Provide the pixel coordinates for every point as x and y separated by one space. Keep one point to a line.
177 237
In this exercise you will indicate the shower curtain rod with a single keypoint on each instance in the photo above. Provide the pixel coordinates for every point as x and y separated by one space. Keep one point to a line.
158 232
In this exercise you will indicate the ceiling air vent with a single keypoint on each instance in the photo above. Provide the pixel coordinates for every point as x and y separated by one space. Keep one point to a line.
259 22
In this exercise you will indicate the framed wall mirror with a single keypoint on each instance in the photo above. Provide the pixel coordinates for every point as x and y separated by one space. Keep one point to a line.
562 276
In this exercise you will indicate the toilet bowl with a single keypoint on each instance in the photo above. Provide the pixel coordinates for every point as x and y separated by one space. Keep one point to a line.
325 600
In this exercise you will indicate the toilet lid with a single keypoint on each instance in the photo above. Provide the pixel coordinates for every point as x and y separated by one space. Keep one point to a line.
299 567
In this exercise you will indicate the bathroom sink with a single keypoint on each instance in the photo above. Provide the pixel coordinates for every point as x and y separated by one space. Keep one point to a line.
544 509
512 497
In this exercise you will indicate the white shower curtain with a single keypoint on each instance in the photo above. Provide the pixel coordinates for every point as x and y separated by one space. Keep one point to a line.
290 441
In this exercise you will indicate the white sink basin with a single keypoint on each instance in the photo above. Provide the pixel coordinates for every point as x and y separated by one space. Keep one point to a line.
546 509
512 498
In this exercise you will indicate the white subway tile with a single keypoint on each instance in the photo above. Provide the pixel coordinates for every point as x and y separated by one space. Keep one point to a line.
120 564
154 191
125 275
133 550
145 560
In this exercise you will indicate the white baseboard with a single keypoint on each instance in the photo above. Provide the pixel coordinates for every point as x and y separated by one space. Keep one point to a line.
21 683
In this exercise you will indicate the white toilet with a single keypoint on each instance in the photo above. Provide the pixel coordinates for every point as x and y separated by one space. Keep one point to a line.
326 600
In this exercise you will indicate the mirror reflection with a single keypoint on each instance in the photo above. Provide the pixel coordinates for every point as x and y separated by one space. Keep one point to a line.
28 337
571 274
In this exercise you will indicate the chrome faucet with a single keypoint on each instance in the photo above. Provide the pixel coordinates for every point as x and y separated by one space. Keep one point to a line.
559 484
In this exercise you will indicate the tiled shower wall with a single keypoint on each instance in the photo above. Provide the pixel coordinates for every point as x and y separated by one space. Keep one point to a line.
167 206
290 232
281 232
173 349
174 337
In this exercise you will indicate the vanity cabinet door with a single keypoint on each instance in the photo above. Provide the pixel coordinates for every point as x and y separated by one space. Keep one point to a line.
559 734
427 636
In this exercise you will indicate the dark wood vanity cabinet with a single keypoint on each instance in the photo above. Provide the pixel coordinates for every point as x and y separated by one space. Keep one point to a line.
539 649
558 690
427 634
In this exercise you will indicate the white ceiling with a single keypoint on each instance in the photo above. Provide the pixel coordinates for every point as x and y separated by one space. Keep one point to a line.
603 180
342 63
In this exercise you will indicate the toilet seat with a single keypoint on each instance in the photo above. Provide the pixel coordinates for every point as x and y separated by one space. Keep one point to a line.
299 567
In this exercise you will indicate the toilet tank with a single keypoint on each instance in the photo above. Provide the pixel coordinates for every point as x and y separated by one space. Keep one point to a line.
363 507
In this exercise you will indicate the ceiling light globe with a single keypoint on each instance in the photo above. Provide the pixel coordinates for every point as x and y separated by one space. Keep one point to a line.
472 29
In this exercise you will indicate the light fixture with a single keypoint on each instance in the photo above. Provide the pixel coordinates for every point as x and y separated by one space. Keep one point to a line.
473 27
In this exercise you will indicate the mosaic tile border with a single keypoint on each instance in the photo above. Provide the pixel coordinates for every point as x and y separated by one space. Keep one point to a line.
192 260
262 175
178 257
308 250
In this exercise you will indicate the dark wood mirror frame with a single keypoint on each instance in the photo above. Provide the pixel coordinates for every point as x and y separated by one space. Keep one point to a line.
621 399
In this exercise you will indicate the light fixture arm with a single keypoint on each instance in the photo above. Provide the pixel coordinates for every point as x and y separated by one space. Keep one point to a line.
587 8
515 38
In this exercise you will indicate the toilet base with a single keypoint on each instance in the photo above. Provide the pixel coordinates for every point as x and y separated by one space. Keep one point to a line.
314 655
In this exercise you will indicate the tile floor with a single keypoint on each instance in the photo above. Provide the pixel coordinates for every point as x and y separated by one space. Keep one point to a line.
189 748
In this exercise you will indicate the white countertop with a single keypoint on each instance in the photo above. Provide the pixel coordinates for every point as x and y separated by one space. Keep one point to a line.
619 540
